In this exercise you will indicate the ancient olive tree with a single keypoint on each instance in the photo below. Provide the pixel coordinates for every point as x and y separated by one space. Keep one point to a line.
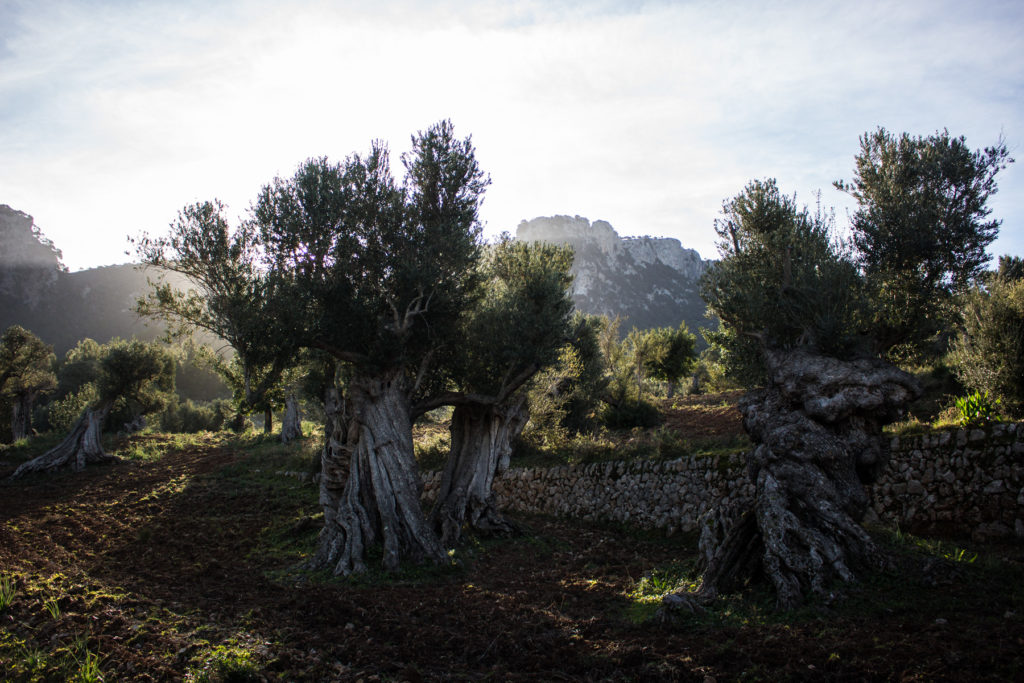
518 327
138 375
380 273
230 296
921 228
785 285
26 371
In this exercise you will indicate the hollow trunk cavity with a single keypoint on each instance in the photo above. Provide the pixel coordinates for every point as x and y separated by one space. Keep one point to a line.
370 485
482 437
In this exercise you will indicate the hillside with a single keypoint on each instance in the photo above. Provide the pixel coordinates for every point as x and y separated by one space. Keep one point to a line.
38 293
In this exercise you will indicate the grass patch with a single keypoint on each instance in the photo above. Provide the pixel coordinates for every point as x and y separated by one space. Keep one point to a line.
8 589
232 662
629 445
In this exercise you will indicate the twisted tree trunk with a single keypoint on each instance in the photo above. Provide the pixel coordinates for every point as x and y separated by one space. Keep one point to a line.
482 437
291 425
818 441
80 447
378 499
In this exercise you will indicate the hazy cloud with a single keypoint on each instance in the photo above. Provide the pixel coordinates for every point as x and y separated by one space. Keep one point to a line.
115 114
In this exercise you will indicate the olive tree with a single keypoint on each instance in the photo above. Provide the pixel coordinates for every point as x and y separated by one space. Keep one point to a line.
26 371
379 274
920 229
668 354
230 296
518 327
137 374
788 291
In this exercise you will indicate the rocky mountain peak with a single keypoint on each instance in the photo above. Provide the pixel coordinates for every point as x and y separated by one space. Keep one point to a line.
29 263
648 281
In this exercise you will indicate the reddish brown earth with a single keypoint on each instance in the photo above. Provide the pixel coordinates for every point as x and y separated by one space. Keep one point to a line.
153 564
704 415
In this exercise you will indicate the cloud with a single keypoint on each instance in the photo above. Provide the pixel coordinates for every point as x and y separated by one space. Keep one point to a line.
115 114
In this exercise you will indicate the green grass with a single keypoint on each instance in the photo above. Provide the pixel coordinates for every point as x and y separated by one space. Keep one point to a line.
918 565
629 445
8 589
233 662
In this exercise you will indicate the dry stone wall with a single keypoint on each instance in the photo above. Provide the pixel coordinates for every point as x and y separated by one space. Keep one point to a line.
963 481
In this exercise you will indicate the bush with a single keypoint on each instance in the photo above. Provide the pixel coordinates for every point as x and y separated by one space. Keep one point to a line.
189 417
989 354
631 413
978 409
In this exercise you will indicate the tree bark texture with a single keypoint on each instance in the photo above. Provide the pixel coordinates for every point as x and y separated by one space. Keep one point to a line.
482 437
370 485
291 425
334 409
817 439
80 447
268 420
21 415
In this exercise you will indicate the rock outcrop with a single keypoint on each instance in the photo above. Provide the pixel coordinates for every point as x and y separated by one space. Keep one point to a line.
648 281
29 263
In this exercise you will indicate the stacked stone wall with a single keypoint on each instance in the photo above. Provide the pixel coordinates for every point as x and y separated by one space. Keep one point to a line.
964 480
958 481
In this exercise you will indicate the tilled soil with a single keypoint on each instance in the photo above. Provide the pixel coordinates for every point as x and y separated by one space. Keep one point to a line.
154 564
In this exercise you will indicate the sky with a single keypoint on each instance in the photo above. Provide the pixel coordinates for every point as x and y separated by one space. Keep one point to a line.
115 114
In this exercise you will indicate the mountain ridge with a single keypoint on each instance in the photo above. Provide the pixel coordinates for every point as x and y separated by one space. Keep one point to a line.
646 281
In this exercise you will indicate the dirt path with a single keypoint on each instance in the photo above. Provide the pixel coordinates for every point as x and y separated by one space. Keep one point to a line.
160 565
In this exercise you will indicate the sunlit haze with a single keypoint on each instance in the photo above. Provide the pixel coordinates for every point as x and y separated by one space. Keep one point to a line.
113 115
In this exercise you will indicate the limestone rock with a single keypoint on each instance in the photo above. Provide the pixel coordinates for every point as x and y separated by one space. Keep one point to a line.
648 281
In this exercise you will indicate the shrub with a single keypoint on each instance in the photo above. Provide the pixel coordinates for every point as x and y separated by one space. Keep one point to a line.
978 409
989 354
63 412
189 417
631 413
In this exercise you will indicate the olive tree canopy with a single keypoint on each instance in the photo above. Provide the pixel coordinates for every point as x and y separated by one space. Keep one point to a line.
920 229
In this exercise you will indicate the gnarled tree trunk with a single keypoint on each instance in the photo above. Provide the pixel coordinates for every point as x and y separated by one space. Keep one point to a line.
378 498
80 447
818 441
482 437
291 425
